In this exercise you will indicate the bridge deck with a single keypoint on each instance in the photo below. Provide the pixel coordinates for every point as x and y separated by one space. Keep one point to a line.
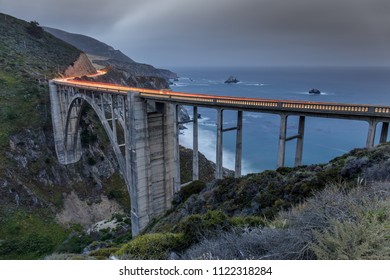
294 107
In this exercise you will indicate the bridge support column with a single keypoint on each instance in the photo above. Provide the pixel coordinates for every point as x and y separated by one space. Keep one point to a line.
113 118
371 133
238 163
218 161
384 132
176 146
282 140
137 161
300 137
150 162
195 146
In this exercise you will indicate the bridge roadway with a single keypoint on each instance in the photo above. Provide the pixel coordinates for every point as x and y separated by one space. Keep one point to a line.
143 128
373 114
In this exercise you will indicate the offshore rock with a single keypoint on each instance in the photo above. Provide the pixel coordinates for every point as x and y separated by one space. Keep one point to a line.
231 80
314 91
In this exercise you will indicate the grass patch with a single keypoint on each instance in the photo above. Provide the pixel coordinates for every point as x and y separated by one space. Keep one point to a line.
29 235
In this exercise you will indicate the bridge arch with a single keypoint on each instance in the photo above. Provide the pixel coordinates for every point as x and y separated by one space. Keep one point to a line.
145 152
72 143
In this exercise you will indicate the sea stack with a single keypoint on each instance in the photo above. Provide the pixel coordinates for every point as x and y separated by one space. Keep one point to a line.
314 91
231 80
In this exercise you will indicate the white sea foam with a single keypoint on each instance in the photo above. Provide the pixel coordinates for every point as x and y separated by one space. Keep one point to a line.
311 94
179 85
256 85
254 115
207 146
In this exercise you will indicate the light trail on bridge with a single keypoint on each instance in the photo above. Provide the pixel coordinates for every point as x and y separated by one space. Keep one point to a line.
330 109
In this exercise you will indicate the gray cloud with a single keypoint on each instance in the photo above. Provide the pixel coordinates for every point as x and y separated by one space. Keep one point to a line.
223 32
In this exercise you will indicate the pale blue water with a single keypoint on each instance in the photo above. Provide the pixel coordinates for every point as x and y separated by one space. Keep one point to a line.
324 138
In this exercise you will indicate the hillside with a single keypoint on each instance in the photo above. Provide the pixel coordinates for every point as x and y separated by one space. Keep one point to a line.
45 206
89 45
337 210
38 196
104 55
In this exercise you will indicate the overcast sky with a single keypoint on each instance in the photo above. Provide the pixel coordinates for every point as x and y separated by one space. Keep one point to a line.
225 32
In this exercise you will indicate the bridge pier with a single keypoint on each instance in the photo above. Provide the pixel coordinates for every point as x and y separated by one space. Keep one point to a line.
384 132
219 149
371 133
283 139
238 162
195 146
176 146
300 136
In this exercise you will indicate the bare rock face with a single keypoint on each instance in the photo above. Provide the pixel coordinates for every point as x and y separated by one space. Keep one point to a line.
82 66
77 211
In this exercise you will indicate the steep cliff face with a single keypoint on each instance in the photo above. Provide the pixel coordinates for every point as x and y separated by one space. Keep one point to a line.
118 76
82 66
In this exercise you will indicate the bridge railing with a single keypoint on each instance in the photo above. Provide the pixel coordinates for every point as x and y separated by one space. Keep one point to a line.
240 102
282 105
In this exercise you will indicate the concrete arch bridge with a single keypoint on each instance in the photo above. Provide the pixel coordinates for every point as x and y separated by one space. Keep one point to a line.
143 128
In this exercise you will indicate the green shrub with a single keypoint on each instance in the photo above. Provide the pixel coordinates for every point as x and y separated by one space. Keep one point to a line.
104 253
367 238
75 244
115 188
152 246
196 227
185 192
251 221
29 236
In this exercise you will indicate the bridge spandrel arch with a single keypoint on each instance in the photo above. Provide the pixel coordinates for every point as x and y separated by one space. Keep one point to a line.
140 137
76 106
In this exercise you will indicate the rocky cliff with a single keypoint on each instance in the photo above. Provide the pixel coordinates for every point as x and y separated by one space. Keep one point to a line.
82 66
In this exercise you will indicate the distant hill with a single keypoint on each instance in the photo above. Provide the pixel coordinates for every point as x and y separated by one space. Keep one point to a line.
105 55
89 45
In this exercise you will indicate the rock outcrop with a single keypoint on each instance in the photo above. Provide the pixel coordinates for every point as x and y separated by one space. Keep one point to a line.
314 91
82 66
232 80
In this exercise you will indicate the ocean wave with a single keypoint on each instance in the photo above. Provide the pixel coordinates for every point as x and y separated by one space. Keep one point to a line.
208 124
310 94
254 115
254 84
203 119
179 85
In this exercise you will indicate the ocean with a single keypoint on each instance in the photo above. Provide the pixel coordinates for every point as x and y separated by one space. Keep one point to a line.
324 138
